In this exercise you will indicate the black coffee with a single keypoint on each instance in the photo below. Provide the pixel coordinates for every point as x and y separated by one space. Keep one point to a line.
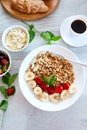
78 26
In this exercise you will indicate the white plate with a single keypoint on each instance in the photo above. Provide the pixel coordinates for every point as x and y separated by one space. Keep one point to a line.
68 37
49 106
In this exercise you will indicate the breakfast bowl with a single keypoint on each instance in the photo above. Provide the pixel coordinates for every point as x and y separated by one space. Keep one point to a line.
37 75
5 62
15 38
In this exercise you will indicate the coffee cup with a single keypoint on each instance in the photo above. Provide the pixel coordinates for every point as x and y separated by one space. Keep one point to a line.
78 26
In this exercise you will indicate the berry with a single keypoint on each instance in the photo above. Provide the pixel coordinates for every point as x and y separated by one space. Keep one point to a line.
38 80
65 86
4 61
11 91
43 86
50 90
59 89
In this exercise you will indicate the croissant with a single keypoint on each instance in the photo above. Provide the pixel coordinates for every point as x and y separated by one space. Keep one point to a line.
29 6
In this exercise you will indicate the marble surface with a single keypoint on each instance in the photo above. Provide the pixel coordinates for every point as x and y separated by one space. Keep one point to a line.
22 115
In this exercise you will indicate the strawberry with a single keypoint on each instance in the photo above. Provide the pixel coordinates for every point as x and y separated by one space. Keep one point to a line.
58 89
4 61
11 91
38 80
65 86
44 86
50 90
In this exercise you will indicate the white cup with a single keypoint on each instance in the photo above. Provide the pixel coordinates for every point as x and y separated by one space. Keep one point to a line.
78 26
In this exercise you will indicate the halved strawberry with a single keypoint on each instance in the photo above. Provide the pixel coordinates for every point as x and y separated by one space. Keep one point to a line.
38 80
4 61
11 91
65 86
59 89
50 90
44 86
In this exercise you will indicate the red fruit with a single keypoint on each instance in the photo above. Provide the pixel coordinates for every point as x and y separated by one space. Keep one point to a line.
43 86
59 89
4 61
38 80
11 91
65 86
50 90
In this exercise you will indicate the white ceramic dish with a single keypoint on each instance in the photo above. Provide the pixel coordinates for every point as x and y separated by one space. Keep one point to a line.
6 32
5 52
75 41
49 106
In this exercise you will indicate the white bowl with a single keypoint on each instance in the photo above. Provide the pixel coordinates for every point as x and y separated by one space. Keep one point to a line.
5 52
15 38
49 106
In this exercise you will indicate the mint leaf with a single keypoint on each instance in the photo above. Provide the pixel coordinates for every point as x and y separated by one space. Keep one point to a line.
55 38
49 36
5 78
50 33
3 91
31 34
44 79
46 35
3 105
51 79
8 75
12 79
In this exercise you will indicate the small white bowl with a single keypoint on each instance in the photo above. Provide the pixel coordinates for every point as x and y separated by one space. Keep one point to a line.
15 38
9 57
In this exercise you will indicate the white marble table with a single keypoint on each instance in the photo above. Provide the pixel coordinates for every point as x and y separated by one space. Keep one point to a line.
21 115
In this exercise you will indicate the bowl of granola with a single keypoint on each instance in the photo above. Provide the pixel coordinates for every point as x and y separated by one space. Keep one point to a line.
48 80
15 38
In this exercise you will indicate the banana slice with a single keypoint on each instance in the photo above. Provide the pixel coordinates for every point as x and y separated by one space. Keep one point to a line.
44 97
37 90
32 83
72 89
29 75
64 94
54 97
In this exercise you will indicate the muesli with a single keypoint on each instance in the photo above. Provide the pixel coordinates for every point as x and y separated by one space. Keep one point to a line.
50 77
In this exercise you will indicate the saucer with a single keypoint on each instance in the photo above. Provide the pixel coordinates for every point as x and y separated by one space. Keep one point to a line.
75 41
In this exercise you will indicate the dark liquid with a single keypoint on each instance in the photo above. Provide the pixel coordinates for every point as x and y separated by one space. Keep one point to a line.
78 26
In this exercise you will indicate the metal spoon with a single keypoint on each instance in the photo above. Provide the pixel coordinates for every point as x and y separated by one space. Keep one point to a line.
78 63
73 61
